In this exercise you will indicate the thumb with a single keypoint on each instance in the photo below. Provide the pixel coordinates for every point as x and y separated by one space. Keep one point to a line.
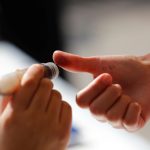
75 63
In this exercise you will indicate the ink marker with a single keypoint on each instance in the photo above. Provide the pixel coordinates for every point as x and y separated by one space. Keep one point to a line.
10 82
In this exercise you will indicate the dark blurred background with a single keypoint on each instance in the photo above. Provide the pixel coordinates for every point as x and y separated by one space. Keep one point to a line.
32 25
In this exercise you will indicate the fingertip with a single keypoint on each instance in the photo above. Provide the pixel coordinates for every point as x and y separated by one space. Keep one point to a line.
118 86
133 120
106 78
141 119
118 89
56 53
136 107
80 103
37 68
35 71
133 128
59 58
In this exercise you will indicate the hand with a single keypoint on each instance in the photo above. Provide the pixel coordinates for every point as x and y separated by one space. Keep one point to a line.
36 117
119 92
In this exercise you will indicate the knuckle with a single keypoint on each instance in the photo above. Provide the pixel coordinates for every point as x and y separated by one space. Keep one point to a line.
67 114
96 110
56 94
47 83
66 105
129 122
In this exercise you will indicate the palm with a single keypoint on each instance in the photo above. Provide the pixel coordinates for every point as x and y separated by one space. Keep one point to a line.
133 74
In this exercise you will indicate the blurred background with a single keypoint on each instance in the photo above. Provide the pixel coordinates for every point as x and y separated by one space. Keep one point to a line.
105 27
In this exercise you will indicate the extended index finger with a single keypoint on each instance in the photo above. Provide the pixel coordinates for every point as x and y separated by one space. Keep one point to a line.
75 63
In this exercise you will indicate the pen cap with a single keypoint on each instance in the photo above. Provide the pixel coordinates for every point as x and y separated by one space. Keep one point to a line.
51 71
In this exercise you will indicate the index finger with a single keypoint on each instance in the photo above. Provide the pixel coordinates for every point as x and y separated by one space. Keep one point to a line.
75 63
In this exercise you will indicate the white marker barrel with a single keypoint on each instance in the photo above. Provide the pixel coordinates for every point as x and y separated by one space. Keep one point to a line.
9 83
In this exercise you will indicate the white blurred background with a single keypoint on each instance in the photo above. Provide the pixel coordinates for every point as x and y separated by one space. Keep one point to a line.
94 27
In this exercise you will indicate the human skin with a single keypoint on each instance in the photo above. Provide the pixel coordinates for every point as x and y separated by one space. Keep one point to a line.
119 93
35 117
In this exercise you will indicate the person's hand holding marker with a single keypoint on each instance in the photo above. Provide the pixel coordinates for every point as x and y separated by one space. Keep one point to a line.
35 117
119 92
